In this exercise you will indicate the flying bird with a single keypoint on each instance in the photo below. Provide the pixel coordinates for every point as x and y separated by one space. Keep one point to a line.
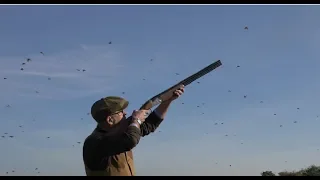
28 60
110 42
42 53
246 28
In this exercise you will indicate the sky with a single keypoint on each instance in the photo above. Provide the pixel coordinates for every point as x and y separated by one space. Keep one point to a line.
278 57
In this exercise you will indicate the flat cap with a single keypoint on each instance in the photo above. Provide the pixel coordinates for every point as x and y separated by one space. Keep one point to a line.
108 105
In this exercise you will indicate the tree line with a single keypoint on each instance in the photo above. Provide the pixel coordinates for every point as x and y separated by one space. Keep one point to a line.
312 170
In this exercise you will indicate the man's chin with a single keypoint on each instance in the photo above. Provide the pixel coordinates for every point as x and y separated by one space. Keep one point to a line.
122 121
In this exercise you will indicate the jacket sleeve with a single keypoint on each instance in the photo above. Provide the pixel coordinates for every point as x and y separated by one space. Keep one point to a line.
150 124
123 142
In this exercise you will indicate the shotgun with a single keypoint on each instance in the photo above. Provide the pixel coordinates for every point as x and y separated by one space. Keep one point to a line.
165 95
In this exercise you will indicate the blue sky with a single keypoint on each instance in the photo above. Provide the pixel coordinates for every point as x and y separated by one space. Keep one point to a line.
278 58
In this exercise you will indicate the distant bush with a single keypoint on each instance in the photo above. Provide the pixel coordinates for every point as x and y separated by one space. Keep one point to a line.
267 173
312 170
288 173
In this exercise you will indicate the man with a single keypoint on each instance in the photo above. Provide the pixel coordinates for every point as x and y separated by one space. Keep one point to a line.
108 150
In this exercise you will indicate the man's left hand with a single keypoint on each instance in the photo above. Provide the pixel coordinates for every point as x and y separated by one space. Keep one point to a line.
177 93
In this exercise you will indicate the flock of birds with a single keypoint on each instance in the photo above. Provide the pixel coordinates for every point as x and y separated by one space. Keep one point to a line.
7 135
29 60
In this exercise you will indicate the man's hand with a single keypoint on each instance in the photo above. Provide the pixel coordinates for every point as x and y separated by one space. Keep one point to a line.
177 93
140 114
163 107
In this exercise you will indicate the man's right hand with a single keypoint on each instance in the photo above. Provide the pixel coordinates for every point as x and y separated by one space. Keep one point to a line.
140 114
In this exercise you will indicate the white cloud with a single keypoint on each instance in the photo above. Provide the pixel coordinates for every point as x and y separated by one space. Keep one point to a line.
101 64
49 161
58 155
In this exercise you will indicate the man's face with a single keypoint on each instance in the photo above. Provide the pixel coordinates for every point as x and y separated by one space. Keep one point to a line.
115 118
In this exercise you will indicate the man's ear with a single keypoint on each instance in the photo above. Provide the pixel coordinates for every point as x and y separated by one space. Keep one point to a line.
109 120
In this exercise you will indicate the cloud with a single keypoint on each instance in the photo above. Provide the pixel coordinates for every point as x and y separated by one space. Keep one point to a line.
84 47
50 161
100 64
58 155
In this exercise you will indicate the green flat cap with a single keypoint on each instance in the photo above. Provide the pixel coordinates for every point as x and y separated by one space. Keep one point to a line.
108 105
